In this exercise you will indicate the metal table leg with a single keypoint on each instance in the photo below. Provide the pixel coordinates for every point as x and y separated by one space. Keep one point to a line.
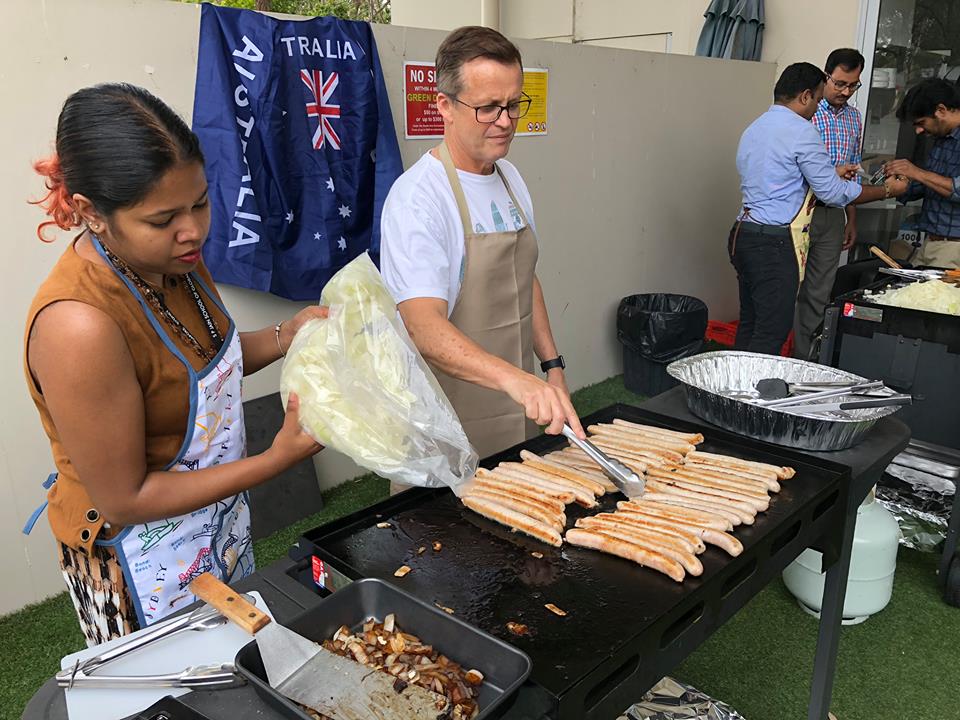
831 616
953 532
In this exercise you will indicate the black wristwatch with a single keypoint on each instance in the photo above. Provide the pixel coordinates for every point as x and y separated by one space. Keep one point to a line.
557 362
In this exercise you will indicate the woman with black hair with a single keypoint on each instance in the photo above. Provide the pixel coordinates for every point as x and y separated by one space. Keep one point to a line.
135 368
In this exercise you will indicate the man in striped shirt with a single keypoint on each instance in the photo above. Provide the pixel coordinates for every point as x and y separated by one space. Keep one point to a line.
832 229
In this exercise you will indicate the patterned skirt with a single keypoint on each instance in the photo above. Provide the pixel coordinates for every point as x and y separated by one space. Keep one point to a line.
100 593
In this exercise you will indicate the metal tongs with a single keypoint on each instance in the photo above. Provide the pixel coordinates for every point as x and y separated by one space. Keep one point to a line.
217 675
627 481
809 398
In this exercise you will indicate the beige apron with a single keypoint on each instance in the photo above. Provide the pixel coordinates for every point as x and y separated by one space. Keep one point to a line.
495 310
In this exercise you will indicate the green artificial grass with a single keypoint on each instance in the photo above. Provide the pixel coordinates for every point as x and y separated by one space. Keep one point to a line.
901 664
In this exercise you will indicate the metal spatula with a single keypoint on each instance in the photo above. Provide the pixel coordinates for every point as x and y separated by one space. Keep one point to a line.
307 673
627 481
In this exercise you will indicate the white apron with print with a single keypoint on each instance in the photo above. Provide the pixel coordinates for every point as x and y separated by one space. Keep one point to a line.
161 558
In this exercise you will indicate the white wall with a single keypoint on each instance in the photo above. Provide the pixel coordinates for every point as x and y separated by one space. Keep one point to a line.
795 30
634 189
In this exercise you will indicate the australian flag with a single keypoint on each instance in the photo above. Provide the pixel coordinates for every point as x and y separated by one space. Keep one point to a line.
300 149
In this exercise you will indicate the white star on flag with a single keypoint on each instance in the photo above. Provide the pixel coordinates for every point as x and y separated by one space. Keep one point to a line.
342 244
290 216
330 184
316 236
344 211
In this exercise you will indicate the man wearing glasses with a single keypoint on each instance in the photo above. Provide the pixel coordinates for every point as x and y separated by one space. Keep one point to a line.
459 253
832 229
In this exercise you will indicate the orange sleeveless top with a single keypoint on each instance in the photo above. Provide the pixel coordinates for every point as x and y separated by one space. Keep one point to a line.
162 376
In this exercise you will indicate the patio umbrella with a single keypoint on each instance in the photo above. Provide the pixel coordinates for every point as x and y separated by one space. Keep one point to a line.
733 29
716 27
746 38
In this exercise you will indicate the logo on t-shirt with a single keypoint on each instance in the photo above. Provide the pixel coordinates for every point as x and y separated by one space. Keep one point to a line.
498 223
515 216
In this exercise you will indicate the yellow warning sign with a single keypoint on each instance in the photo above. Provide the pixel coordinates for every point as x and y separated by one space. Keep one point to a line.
534 85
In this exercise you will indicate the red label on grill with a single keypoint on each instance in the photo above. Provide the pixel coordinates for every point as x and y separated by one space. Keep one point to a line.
849 309
319 572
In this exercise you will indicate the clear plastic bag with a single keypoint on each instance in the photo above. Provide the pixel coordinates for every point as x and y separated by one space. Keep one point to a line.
365 390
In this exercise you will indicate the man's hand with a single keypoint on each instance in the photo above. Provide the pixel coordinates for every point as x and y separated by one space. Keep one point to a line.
902 167
544 402
849 236
848 171
896 185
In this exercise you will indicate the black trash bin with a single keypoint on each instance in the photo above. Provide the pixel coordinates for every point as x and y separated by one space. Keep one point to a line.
656 329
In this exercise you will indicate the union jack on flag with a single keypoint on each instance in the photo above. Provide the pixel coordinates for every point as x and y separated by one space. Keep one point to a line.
321 107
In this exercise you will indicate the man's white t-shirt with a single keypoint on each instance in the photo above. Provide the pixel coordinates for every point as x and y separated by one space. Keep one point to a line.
421 235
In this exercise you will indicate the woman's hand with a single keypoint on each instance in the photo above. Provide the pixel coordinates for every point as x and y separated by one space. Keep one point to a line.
292 444
289 328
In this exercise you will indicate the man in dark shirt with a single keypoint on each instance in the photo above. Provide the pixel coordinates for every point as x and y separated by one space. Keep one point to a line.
933 106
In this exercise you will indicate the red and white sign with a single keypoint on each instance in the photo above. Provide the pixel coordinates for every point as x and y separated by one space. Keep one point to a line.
421 118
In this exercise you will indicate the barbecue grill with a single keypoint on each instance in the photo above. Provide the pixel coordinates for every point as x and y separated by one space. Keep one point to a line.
626 626
912 351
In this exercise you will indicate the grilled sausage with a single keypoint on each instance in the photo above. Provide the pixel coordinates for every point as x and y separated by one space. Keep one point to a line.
737 517
549 488
581 495
687 515
689 473
768 477
514 520
660 525
692 438
509 482
640 438
649 542
576 463
697 456
554 519
580 477
705 488
653 534
709 535
627 550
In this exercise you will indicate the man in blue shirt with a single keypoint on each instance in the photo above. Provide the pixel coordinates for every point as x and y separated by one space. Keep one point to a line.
781 156
933 106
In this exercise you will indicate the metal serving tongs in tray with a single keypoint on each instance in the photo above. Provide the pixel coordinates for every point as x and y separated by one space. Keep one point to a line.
623 477
808 398
218 675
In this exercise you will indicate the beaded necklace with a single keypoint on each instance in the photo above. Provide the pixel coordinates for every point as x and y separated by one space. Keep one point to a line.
156 301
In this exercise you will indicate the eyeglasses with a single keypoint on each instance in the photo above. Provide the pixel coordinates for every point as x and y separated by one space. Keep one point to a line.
843 85
488 114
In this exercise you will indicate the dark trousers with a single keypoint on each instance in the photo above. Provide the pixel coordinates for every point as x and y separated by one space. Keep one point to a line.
766 266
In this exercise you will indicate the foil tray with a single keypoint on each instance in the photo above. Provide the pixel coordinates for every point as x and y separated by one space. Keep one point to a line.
709 380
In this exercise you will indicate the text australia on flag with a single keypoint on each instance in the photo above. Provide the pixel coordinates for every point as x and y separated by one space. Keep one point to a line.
300 148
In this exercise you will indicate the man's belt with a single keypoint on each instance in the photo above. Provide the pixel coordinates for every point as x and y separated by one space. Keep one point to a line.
761 229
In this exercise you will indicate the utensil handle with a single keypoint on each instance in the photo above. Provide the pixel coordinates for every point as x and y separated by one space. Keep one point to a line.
886 258
879 402
821 394
229 603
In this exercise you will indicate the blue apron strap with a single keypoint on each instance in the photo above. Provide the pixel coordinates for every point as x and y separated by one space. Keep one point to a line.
32 520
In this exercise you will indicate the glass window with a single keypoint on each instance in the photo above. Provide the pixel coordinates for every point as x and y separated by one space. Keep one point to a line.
916 39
